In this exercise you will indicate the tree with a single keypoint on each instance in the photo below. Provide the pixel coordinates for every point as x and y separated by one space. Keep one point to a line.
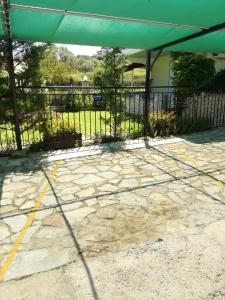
85 64
110 73
54 69
218 82
193 71
27 57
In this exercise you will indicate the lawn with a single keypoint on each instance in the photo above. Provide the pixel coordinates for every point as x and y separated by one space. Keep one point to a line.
90 123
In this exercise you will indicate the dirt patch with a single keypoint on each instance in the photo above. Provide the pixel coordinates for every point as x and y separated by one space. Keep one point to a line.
115 227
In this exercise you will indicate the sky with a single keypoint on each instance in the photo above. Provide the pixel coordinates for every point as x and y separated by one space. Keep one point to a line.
83 50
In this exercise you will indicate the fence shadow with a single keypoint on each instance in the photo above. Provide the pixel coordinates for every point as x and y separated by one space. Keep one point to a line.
206 137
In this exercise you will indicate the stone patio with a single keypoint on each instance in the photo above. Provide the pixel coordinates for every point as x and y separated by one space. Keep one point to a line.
110 201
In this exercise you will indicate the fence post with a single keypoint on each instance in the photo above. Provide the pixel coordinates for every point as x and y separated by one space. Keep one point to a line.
115 113
10 67
147 91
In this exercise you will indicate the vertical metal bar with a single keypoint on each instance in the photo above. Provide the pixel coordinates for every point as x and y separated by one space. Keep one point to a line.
121 111
110 112
90 112
68 109
105 114
223 109
217 112
139 114
10 67
85 125
62 103
134 116
147 89
95 117
207 110
131 99
74 112
115 113
125 112
100 118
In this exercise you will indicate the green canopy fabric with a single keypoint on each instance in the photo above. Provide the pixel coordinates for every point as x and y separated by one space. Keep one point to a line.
145 24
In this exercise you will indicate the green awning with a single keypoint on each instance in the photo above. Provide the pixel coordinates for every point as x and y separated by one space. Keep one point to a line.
145 24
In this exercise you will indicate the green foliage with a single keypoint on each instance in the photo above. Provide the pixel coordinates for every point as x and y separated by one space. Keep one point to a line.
4 95
27 57
218 82
54 70
110 72
161 123
98 78
135 77
56 124
193 71
4 83
168 123
85 64
29 73
62 67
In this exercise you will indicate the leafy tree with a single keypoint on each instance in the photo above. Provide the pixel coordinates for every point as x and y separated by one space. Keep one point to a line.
27 57
110 73
53 69
218 82
85 64
65 56
111 69
193 71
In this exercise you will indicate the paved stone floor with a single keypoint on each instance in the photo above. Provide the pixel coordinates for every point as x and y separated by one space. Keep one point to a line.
106 203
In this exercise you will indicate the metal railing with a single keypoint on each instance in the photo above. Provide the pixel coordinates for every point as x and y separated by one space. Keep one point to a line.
108 113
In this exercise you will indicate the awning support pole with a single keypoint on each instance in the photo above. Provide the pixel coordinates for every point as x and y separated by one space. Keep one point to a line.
147 92
11 71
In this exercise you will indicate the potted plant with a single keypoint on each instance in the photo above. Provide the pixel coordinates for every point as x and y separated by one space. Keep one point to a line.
60 134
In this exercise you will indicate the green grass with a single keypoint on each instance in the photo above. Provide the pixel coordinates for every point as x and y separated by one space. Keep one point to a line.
89 123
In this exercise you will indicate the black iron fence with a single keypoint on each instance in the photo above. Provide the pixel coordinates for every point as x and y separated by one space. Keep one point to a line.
70 116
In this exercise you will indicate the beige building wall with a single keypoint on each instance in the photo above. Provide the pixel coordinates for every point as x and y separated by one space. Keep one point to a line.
162 74
219 61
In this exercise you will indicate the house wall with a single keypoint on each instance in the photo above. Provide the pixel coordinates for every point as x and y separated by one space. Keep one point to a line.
161 73
219 61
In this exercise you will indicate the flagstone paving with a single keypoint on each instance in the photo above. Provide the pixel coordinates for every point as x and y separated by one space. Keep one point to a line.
108 202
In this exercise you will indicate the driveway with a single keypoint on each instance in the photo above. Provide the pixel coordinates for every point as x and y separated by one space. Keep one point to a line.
144 223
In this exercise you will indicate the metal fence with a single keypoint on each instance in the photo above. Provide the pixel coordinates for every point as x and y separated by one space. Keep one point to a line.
101 114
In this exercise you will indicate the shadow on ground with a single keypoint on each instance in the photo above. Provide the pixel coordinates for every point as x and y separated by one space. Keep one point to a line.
206 137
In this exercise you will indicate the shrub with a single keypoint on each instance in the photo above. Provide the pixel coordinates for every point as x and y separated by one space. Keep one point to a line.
57 125
161 123
167 123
